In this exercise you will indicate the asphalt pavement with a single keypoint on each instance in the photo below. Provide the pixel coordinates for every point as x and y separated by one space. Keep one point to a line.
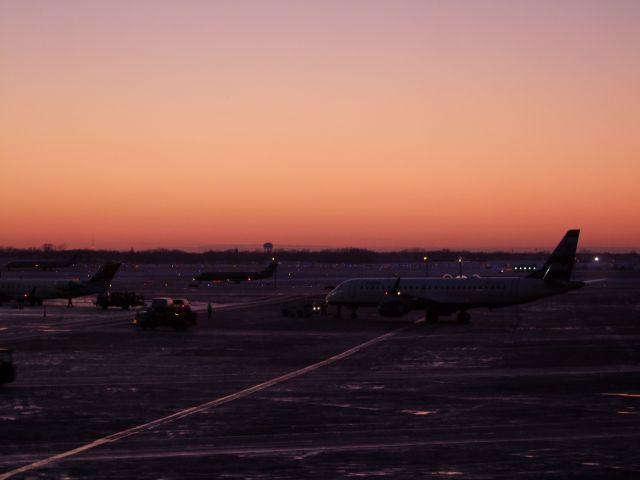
544 390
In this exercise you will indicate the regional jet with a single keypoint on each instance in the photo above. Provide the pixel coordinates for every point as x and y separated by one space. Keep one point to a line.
38 289
237 277
42 263
394 297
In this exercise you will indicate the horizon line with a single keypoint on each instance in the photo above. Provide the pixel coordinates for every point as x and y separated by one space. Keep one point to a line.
255 248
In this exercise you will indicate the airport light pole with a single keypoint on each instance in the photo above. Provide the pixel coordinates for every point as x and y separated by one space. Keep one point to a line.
460 266
275 275
425 259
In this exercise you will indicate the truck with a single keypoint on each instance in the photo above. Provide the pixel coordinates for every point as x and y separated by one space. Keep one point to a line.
183 305
7 369
124 300
164 311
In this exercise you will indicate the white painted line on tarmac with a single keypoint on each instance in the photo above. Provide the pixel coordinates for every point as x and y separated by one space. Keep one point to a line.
346 447
204 406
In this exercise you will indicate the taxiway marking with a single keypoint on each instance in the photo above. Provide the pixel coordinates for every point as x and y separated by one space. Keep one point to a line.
204 406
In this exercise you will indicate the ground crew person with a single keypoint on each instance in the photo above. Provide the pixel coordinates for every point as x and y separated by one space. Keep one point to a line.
209 310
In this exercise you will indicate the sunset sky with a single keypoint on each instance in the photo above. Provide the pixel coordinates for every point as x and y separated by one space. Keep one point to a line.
379 124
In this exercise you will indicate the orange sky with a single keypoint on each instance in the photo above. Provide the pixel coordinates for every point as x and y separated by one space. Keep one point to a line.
380 124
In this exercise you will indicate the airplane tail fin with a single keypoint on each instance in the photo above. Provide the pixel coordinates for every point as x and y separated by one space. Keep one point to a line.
105 274
560 263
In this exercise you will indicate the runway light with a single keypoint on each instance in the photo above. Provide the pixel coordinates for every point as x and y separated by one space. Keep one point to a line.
597 259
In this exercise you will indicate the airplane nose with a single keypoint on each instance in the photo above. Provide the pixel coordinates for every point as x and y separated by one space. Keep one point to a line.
332 296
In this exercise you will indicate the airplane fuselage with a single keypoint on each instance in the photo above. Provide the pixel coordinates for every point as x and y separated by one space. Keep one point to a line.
237 277
40 264
444 295
37 289
43 289
230 276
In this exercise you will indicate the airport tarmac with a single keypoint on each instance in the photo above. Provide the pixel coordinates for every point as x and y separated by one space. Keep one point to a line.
544 390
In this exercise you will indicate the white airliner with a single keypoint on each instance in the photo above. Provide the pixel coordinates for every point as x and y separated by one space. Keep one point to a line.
38 289
444 296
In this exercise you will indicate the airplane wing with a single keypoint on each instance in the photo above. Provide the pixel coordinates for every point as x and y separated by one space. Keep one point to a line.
396 303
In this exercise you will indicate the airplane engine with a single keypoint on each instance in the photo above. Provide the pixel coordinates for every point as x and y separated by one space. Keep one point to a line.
393 308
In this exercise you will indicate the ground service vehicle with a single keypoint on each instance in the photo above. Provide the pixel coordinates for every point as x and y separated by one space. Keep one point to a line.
164 312
184 305
124 300
302 309
7 369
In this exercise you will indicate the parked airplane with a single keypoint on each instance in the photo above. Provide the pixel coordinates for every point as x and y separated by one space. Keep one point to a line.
38 289
237 277
42 263
444 296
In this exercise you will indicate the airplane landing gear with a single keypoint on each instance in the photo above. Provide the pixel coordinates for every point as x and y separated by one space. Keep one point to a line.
464 317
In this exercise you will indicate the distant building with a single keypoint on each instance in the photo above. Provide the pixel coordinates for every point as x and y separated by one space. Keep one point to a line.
268 248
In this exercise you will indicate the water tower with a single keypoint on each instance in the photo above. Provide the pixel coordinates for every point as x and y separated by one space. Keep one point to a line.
268 248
